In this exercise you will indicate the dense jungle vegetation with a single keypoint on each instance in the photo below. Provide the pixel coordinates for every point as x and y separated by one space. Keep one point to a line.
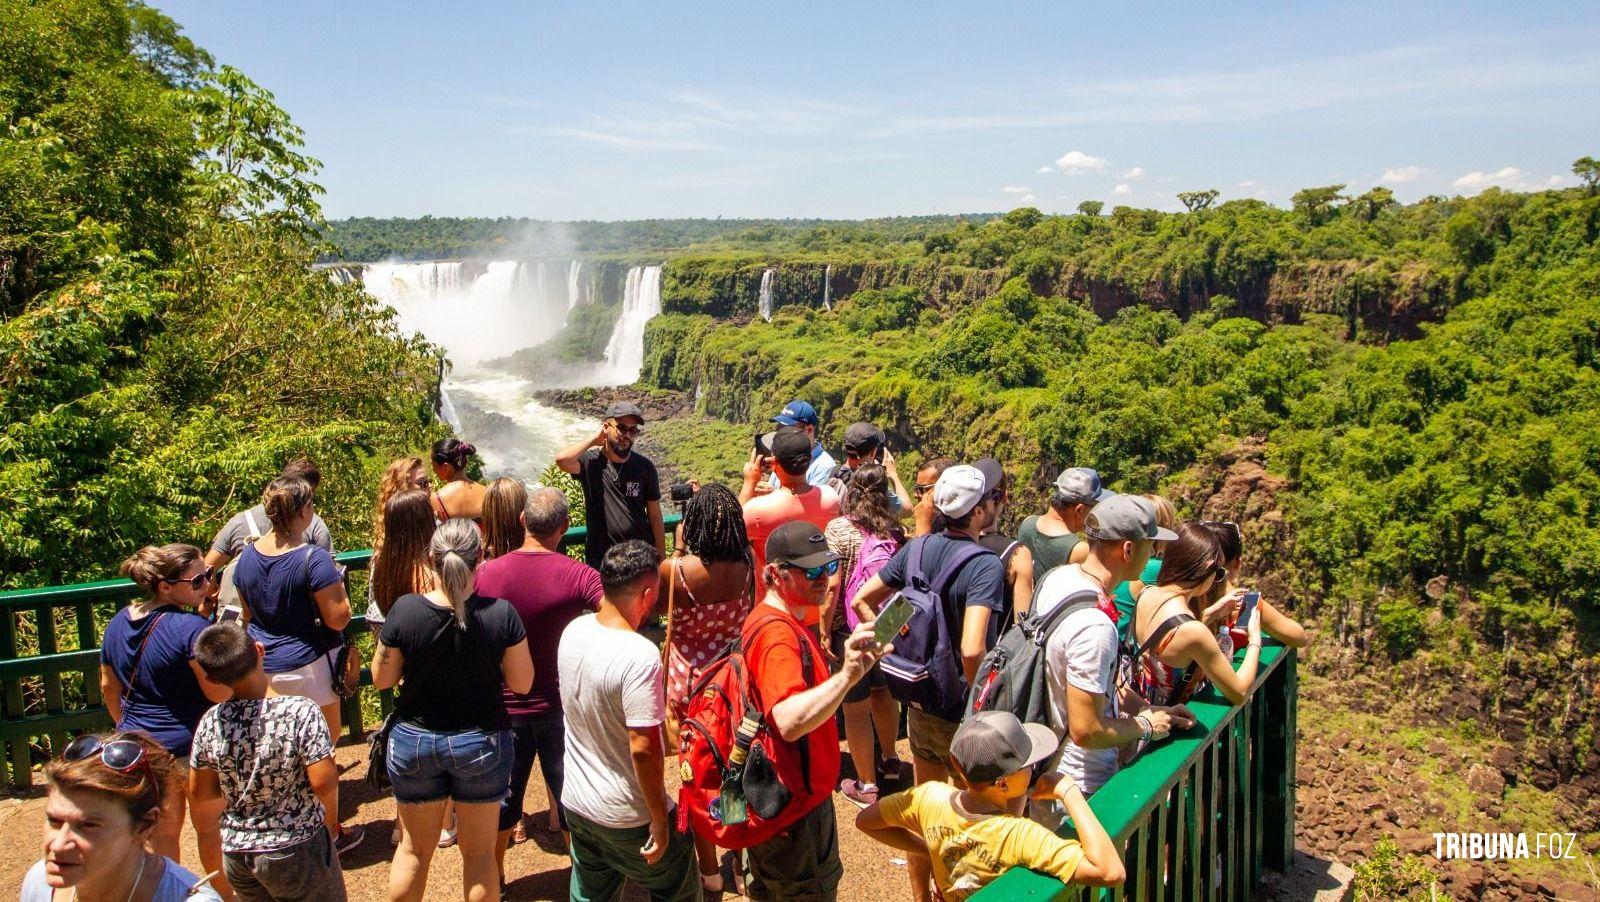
164 344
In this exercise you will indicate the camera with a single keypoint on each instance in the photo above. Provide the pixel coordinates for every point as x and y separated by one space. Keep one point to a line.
680 492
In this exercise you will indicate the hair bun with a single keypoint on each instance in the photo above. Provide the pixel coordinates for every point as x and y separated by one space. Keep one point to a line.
468 448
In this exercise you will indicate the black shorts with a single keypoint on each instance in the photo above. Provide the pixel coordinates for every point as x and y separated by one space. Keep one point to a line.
863 687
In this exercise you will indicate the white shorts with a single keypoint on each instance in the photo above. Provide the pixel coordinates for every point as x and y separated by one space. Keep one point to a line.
314 680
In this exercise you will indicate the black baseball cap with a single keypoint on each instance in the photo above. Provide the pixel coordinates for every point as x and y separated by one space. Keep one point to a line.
863 437
798 544
621 409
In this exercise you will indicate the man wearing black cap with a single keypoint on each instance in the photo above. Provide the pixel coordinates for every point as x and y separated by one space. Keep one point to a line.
621 493
802 862
794 499
865 443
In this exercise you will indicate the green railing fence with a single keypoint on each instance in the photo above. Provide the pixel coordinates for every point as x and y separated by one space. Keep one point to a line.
1198 816
36 689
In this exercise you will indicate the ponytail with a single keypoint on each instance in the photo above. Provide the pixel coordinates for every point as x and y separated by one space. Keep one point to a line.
283 500
455 550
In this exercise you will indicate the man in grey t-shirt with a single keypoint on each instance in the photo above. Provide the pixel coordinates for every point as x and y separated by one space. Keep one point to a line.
248 525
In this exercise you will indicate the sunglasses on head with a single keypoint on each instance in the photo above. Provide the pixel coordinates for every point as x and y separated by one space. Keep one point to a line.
815 573
121 755
197 582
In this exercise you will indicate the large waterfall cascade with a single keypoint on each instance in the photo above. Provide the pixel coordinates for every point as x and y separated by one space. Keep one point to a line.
482 311
765 304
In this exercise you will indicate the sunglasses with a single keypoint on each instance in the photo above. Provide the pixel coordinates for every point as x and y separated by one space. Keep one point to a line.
626 430
197 582
816 573
121 755
921 489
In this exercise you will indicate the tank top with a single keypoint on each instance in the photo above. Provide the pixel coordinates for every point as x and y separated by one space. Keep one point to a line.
1049 552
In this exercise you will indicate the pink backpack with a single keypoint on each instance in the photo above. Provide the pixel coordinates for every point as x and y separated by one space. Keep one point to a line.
870 558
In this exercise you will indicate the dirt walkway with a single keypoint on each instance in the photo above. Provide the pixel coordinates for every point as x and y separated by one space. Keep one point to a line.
536 869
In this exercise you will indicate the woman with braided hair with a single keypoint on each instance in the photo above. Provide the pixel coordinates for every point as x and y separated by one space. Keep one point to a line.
709 583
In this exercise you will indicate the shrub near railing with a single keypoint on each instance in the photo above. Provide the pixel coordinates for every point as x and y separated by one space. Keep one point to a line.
1198 816
61 689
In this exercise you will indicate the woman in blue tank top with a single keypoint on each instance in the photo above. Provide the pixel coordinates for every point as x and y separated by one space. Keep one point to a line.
153 685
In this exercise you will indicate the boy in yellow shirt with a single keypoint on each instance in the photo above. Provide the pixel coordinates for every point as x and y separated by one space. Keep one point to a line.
972 835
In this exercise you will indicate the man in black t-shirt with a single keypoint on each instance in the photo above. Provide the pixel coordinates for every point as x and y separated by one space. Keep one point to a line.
621 493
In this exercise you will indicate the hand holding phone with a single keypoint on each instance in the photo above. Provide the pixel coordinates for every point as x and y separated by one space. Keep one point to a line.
894 616
1247 609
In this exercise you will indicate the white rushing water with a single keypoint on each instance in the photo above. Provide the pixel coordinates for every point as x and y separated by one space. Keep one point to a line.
827 287
765 305
483 311
641 301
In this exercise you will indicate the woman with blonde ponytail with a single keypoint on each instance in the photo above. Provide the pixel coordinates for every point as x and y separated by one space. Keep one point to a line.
453 652
153 685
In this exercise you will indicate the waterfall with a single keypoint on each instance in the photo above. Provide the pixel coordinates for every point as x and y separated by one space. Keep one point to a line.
641 300
827 287
765 305
574 272
476 312
447 411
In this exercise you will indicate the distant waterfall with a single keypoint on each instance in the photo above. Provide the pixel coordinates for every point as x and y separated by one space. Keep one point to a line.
476 311
641 300
827 287
574 273
766 295
447 411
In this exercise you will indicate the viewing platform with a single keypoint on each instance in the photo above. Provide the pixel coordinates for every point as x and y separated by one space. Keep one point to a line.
1196 817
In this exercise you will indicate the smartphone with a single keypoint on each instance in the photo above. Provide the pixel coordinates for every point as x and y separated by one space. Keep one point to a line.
894 616
764 443
229 614
1247 609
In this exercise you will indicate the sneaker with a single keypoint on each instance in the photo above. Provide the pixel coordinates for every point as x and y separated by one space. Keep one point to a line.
892 769
862 794
349 837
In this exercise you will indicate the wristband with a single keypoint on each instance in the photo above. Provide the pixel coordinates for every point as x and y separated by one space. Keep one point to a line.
1146 729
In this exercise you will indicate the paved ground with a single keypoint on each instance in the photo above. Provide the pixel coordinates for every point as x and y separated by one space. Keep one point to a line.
536 869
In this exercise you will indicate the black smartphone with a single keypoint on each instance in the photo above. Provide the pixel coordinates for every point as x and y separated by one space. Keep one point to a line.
764 443
1248 609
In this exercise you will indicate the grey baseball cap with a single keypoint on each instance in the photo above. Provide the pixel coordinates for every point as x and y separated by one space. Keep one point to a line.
1081 485
991 744
1126 518
621 409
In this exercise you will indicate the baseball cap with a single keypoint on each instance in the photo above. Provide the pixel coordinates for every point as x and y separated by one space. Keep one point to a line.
994 475
798 544
621 409
991 744
1126 518
791 448
863 437
1081 485
959 490
795 413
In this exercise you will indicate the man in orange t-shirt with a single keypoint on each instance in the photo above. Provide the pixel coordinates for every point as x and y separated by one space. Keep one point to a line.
794 500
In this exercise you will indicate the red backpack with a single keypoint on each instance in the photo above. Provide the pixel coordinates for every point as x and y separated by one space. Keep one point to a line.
725 695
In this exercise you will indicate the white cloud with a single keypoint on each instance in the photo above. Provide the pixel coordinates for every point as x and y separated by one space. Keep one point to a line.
1136 172
1042 169
1555 181
1075 162
1399 175
1122 190
614 139
1505 177
1027 199
1248 184
1016 189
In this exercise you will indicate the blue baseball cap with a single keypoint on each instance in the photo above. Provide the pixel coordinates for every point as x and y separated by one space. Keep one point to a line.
796 413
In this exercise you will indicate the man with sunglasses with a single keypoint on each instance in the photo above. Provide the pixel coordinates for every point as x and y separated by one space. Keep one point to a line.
621 491
802 862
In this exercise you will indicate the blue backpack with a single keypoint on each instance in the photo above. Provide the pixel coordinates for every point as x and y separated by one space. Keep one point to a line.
924 671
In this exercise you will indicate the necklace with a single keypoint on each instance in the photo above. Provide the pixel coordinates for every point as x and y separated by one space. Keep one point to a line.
144 859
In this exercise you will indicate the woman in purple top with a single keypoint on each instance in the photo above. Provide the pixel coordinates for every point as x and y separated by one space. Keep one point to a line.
548 590
151 682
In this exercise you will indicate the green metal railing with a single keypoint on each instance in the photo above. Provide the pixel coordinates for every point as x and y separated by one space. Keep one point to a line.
41 681
1198 816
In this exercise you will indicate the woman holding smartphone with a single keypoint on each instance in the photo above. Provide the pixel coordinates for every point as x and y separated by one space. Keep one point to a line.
1179 643
1274 622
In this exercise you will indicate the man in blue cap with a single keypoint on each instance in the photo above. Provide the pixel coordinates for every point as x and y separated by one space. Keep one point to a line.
802 415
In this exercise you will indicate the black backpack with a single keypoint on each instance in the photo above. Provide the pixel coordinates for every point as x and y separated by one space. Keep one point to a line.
1013 675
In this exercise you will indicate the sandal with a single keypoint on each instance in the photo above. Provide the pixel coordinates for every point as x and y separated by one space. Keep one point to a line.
519 833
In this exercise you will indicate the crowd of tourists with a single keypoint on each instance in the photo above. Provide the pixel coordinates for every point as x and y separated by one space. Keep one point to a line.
819 593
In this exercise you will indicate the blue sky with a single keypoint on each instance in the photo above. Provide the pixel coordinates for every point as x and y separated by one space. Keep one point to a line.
626 111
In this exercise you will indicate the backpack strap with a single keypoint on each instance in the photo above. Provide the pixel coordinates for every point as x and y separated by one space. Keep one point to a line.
963 553
806 675
250 522
133 672
1040 628
1185 687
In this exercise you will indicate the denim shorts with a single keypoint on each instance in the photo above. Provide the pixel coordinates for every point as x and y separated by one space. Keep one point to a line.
468 766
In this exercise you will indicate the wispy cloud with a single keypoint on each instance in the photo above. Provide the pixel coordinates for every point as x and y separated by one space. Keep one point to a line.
1122 190
1400 175
1042 170
1016 189
1247 184
1504 177
614 139
1074 162
1136 172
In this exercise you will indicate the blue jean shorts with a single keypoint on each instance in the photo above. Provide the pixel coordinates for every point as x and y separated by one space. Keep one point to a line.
468 766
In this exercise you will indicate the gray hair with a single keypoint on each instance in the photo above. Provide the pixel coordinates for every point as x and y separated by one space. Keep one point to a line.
545 511
456 548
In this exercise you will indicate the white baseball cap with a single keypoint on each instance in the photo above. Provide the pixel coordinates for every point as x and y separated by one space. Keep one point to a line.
959 490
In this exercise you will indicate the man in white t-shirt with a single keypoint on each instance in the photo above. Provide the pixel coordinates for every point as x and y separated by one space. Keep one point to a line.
1081 655
615 702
